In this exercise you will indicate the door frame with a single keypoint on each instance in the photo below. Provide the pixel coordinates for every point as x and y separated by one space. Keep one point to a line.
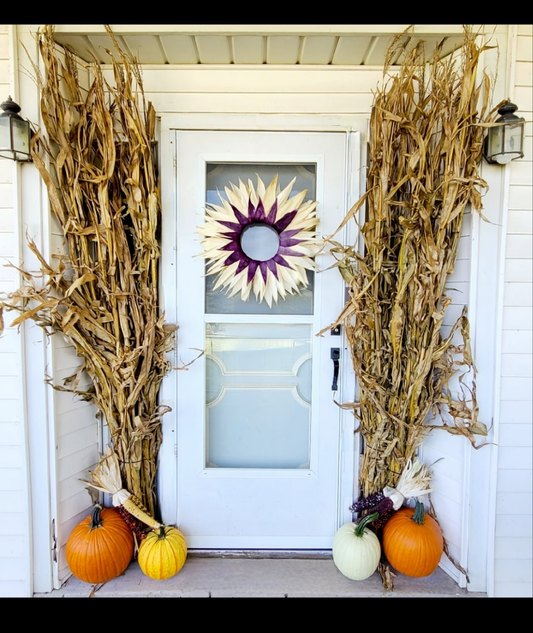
355 128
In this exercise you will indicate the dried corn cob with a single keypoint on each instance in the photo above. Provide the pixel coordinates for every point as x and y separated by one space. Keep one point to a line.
414 482
136 526
106 477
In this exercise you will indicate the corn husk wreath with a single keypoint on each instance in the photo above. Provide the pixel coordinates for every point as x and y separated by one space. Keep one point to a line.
426 137
98 166
293 220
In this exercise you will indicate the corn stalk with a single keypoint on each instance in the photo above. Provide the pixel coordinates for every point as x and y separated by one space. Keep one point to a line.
98 166
426 137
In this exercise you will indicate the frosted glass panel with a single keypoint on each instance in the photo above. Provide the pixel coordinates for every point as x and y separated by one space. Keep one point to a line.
258 395
218 177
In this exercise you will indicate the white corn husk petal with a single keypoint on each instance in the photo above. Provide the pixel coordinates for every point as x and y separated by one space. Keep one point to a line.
414 482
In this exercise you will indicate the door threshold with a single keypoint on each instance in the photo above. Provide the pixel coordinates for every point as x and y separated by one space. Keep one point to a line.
311 554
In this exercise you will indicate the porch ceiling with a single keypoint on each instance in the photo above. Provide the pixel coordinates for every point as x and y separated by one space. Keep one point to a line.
287 44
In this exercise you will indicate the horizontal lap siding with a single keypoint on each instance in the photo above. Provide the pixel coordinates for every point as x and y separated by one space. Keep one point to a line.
263 90
513 555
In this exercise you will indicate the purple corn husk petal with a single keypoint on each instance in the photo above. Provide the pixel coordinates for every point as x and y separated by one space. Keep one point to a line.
263 267
280 261
288 242
243 220
289 251
272 266
290 232
231 246
282 224
258 214
271 217
251 270
234 257
243 263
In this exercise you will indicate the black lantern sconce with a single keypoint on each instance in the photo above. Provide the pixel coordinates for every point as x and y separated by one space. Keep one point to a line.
15 133
505 141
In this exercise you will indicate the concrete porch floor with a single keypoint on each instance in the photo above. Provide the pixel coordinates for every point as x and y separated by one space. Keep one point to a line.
231 576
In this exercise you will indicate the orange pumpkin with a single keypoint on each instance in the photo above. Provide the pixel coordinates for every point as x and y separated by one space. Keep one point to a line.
100 547
413 542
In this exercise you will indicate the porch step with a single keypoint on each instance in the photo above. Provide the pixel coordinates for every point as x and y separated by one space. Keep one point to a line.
249 577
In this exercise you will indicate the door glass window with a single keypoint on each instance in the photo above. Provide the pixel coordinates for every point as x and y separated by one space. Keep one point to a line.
258 395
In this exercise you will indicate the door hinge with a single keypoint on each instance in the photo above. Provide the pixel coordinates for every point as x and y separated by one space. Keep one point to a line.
176 450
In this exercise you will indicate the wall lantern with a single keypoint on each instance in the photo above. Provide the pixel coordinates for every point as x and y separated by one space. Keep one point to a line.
505 141
15 133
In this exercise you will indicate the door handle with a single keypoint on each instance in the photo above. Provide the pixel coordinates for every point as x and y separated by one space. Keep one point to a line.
335 356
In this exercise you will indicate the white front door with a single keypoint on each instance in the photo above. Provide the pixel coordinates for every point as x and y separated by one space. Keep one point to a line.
258 431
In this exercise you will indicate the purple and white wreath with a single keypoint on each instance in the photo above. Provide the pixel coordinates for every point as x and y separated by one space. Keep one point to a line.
293 244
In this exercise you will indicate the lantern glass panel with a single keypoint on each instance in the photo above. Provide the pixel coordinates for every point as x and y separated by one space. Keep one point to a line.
495 140
21 136
513 140
5 136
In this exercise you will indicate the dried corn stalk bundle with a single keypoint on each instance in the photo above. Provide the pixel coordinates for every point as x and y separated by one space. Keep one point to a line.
103 294
425 144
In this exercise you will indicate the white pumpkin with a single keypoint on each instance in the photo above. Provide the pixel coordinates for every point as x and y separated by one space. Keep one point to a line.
356 549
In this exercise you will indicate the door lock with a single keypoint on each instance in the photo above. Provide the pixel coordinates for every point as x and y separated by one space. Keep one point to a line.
335 356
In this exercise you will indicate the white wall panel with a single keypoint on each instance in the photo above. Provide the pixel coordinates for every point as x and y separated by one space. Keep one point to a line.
516 388
517 341
166 103
514 481
14 505
515 434
258 80
523 49
520 221
515 457
512 548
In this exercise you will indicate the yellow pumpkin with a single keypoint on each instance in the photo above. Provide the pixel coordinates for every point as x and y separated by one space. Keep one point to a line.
162 553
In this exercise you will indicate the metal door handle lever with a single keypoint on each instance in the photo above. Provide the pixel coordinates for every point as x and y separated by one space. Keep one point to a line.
335 355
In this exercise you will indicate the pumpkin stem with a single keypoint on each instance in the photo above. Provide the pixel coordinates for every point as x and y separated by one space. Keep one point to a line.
418 516
359 528
96 521
162 534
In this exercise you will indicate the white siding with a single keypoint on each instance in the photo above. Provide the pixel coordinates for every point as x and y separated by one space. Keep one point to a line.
14 518
513 562
263 90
